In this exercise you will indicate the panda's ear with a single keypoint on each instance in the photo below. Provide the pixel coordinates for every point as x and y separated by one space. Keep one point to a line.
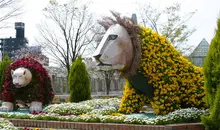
24 72
12 72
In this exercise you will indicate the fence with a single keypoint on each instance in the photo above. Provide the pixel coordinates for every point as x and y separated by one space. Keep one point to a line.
97 86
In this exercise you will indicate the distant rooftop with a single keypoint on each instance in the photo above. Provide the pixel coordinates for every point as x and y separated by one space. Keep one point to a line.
201 49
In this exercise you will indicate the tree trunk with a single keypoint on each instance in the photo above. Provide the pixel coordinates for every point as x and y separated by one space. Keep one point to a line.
107 82
108 85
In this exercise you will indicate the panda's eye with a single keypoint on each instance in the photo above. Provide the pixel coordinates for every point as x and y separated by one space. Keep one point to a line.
20 76
112 37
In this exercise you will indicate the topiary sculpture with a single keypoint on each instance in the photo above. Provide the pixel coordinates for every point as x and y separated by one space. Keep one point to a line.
155 71
28 81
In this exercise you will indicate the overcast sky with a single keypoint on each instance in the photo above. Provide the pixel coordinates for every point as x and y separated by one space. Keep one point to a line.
204 20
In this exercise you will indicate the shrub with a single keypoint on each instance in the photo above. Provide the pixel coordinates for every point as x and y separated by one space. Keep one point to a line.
79 82
212 82
3 65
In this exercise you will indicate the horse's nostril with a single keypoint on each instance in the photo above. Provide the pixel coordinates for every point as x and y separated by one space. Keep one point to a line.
97 57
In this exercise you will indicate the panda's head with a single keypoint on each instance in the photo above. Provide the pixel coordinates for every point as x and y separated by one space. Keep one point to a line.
21 77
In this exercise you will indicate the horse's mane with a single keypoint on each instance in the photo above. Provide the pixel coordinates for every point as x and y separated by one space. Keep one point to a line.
133 31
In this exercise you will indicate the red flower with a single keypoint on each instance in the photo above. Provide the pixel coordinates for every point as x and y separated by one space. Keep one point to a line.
40 76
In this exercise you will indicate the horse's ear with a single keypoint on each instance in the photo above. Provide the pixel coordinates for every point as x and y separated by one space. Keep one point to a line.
134 19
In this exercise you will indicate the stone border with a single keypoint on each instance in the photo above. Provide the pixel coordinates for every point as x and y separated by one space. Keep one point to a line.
101 126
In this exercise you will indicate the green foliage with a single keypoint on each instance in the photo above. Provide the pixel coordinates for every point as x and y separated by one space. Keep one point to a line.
3 65
212 82
175 28
79 82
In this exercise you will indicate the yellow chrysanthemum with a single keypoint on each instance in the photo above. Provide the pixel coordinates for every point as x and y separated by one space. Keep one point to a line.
176 81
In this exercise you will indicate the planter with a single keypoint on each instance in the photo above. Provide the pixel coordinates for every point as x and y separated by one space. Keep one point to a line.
101 126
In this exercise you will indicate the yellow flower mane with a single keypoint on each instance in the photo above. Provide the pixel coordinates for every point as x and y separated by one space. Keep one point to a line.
177 82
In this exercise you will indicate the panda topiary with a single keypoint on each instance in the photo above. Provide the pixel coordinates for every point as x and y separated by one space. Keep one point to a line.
28 81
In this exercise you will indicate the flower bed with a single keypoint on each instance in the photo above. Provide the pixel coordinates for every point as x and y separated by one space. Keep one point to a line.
188 115
105 111
6 125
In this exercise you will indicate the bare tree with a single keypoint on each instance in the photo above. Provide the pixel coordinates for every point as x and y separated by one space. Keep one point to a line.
108 73
108 76
9 9
66 33
99 31
169 23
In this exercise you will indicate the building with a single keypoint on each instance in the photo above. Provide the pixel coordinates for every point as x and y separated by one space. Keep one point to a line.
10 45
198 55
17 47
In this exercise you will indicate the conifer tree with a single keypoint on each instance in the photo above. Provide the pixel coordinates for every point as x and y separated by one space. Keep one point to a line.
79 82
212 82
3 66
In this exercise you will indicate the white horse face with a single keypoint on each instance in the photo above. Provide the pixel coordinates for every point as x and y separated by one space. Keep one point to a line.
115 47
21 77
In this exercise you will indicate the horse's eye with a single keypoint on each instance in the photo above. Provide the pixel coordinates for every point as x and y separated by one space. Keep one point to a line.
112 37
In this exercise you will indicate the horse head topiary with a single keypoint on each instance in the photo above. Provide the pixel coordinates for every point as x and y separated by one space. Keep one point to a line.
155 71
